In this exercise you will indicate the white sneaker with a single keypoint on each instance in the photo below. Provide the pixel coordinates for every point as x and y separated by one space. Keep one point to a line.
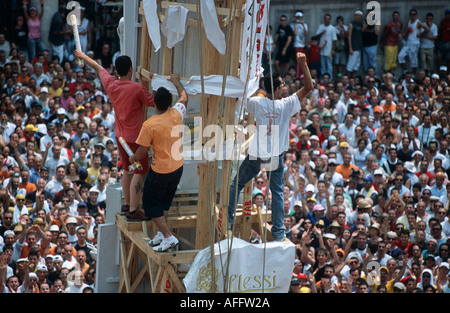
166 243
156 240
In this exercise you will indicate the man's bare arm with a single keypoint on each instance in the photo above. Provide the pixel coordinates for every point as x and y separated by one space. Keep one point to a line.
91 62
182 94
308 85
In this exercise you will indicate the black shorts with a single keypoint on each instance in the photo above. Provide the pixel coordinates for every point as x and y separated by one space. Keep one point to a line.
159 191
284 58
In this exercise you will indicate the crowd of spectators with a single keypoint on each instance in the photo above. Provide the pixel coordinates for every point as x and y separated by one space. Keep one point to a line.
366 175
367 172
58 153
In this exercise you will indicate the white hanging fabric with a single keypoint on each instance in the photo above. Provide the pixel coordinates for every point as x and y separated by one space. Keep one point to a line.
212 28
174 24
234 87
151 17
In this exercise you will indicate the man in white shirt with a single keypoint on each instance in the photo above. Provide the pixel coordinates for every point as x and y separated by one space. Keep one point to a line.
327 33
270 113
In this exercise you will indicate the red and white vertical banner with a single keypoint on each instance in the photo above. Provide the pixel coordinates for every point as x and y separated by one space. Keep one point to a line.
252 44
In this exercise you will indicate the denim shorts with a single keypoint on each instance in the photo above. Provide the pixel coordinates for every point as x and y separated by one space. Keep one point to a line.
159 191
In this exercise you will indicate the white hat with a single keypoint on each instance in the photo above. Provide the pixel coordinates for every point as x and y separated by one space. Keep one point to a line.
358 12
409 166
399 285
33 275
54 228
310 187
378 171
329 236
444 264
61 111
298 203
44 89
72 220
314 137
94 189
443 68
435 76
355 255
299 14
41 267
57 258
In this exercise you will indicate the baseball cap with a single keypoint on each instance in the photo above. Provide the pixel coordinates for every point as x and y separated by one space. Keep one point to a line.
318 207
399 285
71 220
368 178
302 276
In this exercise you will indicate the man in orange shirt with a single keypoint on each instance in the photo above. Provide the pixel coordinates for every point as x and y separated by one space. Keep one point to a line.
26 184
386 129
345 169
389 104
167 162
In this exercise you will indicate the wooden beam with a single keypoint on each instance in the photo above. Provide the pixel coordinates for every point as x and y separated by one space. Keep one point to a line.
193 8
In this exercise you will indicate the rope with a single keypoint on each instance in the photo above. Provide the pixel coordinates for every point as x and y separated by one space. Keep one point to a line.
211 229
238 147
221 111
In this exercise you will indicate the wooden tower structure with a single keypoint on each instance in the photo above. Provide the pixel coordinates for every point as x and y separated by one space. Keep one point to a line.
205 212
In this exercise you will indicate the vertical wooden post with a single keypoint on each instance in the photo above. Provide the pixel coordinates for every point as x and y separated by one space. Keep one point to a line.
229 119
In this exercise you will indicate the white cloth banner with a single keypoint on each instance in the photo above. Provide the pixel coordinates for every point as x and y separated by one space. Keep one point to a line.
234 87
253 37
174 24
151 17
253 40
212 28
245 271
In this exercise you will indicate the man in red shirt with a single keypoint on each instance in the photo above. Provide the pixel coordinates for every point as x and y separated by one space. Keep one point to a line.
79 84
389 41
130 101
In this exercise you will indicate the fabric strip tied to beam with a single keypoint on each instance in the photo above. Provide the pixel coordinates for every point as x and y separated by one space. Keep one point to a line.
234 87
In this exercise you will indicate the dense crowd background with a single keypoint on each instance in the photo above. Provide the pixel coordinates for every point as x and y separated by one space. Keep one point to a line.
58 149
367 172
366 175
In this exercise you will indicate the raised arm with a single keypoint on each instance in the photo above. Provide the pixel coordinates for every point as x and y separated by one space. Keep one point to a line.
42 10
182 94
91 62
308 85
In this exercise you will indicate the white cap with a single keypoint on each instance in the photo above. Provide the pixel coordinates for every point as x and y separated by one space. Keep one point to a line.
378 171
299 14
330 236
310 187
444 264
44 89
72 220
